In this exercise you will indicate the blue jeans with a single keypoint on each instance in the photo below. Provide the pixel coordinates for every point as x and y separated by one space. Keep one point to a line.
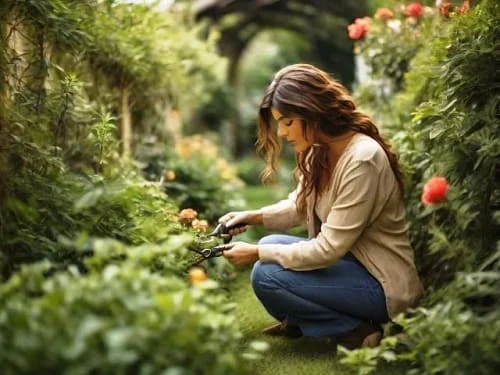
322 302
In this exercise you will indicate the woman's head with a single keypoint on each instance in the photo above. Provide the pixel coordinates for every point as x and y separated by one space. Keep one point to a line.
303 94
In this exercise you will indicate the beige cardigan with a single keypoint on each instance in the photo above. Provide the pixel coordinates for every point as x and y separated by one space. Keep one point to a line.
361 211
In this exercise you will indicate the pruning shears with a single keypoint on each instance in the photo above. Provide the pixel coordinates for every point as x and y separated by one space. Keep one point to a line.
207 253
220 231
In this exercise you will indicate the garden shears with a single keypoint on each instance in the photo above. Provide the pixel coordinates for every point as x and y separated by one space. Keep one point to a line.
220 231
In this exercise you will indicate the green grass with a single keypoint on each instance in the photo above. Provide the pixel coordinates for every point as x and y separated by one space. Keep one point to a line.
285 356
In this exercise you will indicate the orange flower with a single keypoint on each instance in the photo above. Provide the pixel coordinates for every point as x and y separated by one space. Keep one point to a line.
359 28
384 14
200 225
197 275
435 190
414 10
187 215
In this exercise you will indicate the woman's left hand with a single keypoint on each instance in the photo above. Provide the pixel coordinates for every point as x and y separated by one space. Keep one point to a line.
241 253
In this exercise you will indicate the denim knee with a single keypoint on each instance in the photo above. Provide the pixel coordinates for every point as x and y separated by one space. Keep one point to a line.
260 273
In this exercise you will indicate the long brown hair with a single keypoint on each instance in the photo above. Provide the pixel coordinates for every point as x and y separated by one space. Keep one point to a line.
322 103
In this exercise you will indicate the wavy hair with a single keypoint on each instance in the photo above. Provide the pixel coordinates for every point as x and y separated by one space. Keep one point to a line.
323 104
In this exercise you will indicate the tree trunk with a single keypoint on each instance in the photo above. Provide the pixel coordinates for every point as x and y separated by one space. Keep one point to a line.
173 126
236 124
125 123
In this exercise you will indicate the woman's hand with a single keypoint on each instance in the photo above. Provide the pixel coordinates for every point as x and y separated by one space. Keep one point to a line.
238 221
241 253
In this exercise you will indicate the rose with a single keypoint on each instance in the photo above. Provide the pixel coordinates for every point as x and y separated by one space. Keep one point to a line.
414 10
384 14
435 190
359 28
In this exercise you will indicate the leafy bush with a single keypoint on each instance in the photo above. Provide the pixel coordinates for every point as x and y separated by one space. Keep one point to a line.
452 95
197 177
118 319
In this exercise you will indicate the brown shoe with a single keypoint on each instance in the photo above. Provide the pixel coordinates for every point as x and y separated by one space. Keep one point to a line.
284 329
365 335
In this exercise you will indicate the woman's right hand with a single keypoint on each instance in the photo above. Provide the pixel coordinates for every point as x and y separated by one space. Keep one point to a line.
238 221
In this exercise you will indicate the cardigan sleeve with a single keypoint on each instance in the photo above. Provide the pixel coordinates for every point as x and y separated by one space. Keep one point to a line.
282 215
346 221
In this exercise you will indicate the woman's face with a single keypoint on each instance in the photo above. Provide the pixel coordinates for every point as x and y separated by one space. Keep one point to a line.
291 129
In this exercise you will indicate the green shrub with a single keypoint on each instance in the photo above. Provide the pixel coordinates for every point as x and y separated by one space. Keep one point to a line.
197 177
446 123
119 319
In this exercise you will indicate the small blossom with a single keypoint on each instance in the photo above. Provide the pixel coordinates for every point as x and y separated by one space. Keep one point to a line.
435 190
197 275
200 225
384 14
445 8
429 11
187 215
412 21
414 10
465 7
359 28
394 25
169 175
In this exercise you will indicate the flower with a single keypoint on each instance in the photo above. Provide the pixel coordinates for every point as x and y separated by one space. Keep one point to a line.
200 225
394 25
187 215
359 28
197 275
169 175
384 14
465 7
412 21
444 7
414 10
435 190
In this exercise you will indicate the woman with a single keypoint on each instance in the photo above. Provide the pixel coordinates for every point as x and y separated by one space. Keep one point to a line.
356 270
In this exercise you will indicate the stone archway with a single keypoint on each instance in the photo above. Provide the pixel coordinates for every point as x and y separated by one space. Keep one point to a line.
323 22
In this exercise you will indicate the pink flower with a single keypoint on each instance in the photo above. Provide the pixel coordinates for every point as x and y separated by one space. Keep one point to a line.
435 190
384 14
414 10
359 28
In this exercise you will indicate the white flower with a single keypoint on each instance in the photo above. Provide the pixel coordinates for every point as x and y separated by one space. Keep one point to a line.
394 25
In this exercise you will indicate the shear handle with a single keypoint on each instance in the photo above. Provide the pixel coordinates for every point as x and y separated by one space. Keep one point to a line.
222 230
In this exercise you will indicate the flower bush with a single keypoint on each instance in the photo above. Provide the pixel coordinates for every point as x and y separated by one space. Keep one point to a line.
199 178
444 123
388 42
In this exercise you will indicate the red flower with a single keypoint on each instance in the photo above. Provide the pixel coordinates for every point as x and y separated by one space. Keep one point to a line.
445 8
359 28
414 10
384 14
435 190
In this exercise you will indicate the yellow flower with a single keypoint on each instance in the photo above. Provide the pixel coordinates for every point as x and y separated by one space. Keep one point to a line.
169 175
200 225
